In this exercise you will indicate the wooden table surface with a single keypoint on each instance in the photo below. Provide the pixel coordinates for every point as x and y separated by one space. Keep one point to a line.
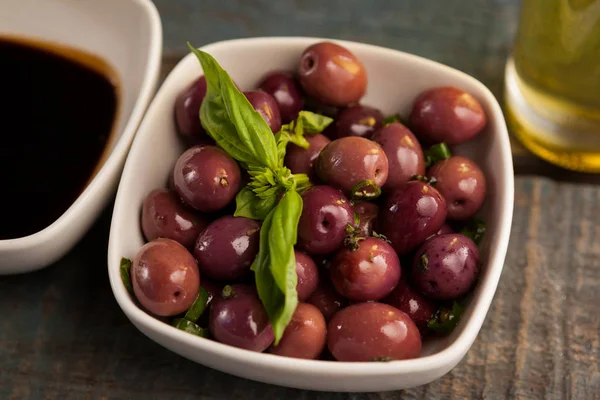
63 336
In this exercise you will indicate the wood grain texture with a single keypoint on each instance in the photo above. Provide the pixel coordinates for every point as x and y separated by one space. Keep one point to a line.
62 335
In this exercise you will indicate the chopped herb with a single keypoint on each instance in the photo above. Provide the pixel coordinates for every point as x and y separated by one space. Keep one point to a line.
435 153
474 229
190 327
446 318
198 307
126 274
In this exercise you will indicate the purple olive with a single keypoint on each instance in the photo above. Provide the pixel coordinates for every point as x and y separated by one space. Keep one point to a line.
404 154
371 332
302 161
164 215
367 214
226 249
463 185
410 214
332 74
206 178
305 335
447 114
238 318
325 215
357 120
165 277
446 266
308 275
187 110
267 107
355 165
410 301
369 272
327 299
286 92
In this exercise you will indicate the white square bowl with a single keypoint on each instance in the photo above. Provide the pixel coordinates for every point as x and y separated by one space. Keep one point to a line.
395 78
128 35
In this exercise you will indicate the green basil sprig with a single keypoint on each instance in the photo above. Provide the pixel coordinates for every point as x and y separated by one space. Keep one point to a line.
273 192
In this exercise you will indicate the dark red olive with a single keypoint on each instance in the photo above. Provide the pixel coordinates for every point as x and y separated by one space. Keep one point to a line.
357 120
187 110
369 272
326 213
367 214
305 335
164 215
302 161
326 298
410 214
404 154
238 318
371 332
267 107
410 301
463 185
355 165
332 74
286 92
446 266
226 249
165 277
206 178
308 275
447 114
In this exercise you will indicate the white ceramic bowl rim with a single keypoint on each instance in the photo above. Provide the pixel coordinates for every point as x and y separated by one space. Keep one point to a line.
102 177
452 354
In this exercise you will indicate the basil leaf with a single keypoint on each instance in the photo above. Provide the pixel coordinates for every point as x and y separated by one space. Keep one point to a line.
190 327
275 264
198 306
125 267
249 205
446 319
474 229
435 153
313 123
230 119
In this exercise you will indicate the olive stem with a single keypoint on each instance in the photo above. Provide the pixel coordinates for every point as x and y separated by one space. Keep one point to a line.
227 292
437 152
365 190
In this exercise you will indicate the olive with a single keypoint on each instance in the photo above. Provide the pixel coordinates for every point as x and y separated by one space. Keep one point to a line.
445 229
446 266
286 92
165 277
447 114
187 110
267 107
369 272
410 214
403 151
462 183
357 120
206 178
355 165
227 247
302 161
238 318
305 335
367 214
308 275
326 213
332 74
406 299
371 332
164 215
327 299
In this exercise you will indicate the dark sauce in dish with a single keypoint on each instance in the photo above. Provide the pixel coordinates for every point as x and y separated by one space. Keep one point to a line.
58 107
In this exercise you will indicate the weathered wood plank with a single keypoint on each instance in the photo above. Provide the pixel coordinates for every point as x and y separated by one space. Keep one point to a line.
63 336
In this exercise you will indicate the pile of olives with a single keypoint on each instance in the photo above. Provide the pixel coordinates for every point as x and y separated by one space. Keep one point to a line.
378 256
